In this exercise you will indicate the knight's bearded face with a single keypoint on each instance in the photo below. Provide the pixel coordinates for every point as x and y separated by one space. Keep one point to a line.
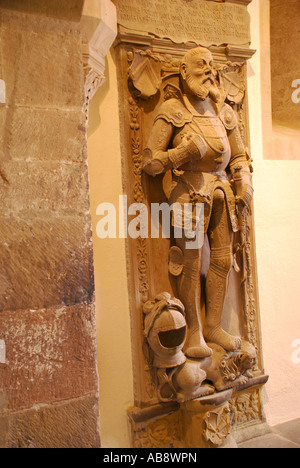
199 76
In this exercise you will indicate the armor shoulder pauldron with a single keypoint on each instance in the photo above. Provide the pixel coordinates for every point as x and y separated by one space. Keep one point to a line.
174 112
228 117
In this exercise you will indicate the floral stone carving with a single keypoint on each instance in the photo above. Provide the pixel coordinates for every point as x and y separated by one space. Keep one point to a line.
217 425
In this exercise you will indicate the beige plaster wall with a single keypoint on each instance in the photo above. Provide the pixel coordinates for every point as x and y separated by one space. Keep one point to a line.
277 221
114 345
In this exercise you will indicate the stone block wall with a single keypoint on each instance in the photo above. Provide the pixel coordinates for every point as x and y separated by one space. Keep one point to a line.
48 372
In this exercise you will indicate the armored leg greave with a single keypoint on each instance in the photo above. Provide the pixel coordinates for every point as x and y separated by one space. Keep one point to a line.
216 286
189 291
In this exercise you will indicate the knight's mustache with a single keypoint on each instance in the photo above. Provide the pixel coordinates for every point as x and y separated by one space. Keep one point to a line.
201 80
209 78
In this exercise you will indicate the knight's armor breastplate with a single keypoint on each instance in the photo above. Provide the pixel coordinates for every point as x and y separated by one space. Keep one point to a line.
213 132
197 180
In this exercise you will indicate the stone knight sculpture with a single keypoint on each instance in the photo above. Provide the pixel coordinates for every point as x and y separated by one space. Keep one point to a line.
196 136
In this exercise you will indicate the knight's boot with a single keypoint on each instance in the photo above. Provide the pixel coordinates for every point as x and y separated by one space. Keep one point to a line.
216 286
196 346
189 290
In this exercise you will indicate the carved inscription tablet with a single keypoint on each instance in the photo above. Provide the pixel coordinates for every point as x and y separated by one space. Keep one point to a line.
205 22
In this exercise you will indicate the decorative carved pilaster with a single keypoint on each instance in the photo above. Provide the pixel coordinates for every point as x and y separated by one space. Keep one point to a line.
98 31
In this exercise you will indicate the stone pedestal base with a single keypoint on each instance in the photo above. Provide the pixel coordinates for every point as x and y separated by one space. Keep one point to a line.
220 420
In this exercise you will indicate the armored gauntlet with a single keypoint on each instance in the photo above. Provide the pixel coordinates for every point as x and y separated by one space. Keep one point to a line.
193 147
243 185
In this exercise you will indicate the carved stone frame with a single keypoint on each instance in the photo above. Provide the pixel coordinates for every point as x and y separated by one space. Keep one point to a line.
219 410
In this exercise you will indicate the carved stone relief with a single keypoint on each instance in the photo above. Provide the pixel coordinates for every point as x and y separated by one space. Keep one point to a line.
195 323
159 433
207 422
217 425
246 407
